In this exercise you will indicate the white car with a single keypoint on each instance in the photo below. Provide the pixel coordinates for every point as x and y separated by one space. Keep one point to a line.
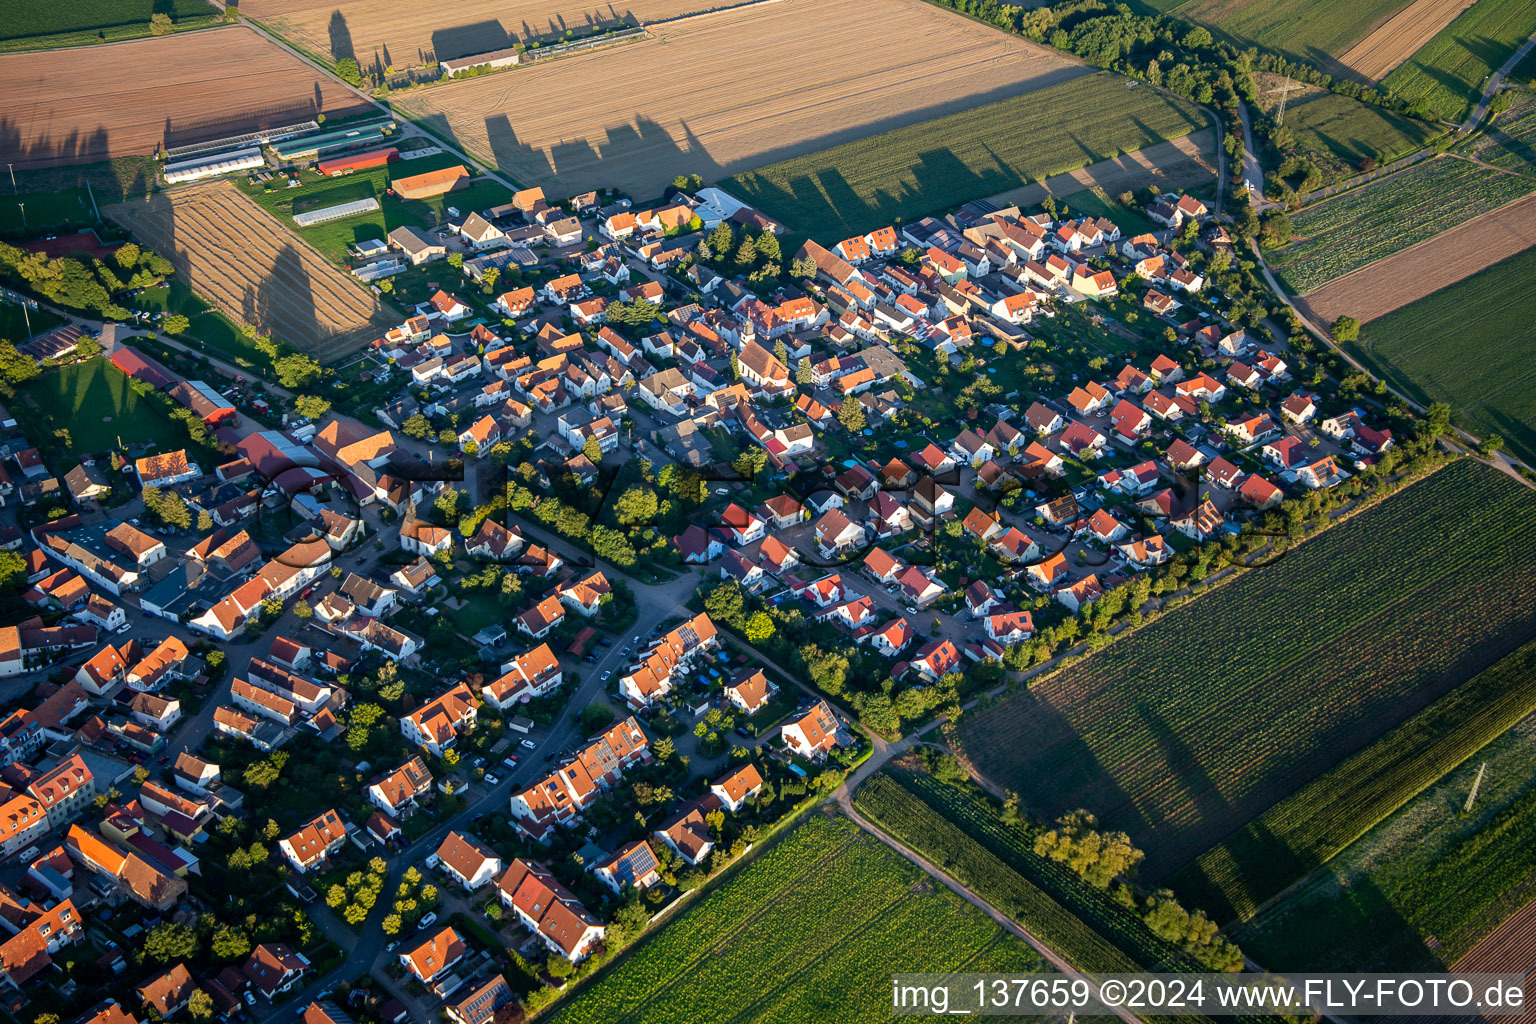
530 745
490 779
427 921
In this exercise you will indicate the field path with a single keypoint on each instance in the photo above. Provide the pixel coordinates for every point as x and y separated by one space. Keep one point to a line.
1055 959
1179 163
1394 281
1495 82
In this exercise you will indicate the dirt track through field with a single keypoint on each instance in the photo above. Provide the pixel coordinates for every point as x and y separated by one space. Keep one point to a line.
1400 36
1407 276
237 257
401 34
1180 163
731 92
127 99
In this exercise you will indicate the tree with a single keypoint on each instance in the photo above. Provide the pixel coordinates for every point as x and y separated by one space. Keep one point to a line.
1492 445
200 1005
759 628
559 967
635 506
851 415
750 461
804 373
127 255
296 370
803 268
592 449
780 352
13 570
391 924
311 407
1274 228
664 749
1097 857
169 941
230 943
417 426
1345 328
1437 420
176 324
161 25
348 71
15 368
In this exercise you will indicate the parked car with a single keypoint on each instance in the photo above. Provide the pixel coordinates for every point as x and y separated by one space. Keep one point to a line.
491 779
427 921
528 744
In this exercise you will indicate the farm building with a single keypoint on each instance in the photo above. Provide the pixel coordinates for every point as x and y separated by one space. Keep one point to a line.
432 183
494 59
310 146
140 366
212 407
357 161
310 218
212 164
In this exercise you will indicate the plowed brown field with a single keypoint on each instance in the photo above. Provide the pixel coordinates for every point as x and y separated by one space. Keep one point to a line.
732 91
402 33
1400 36
126 99
1509 949
1379 288
240 259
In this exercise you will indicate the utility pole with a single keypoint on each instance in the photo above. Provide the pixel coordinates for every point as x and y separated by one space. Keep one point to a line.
23 208
1477 784
12 169
1285 92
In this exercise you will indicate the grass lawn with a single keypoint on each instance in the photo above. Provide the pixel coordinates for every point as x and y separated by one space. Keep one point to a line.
94 402
13 322
812 930
1448 73
218 334
49 211
930 167
1095 202
1337 133
333 238
1303 30
1473 345
1197 723
37 24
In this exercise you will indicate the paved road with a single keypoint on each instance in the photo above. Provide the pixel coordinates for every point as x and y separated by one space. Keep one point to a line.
1252 170
1495 81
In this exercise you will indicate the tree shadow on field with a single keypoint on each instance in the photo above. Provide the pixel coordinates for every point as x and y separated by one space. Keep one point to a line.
341 37
463 40
285 303
1356 928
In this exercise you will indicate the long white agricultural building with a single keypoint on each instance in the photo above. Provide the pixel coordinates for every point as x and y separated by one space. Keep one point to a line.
213 164
310 218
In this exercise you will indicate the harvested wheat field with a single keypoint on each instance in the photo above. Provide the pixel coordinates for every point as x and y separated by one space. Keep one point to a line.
1400 36
728 92
1188 162
1407 276
129 98
240 259
400 34
1509 949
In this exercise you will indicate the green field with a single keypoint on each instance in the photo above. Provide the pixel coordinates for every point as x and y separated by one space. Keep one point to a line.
811 931
1448 73
31 214
1348 231
94 403
1200 721
1338 133
1424 886
929 167
1319 820
332 238
1509 141
112 181
1304 30
14 322
38 24
964 834
211 331
1097 203
1472 344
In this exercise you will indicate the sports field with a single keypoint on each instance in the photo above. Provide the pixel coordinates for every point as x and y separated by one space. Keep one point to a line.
1348 231
1473 345
761 83
139 95
928 167
93 401
1307 30
1197 723
36 24
811 931
1447 74
1426 887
